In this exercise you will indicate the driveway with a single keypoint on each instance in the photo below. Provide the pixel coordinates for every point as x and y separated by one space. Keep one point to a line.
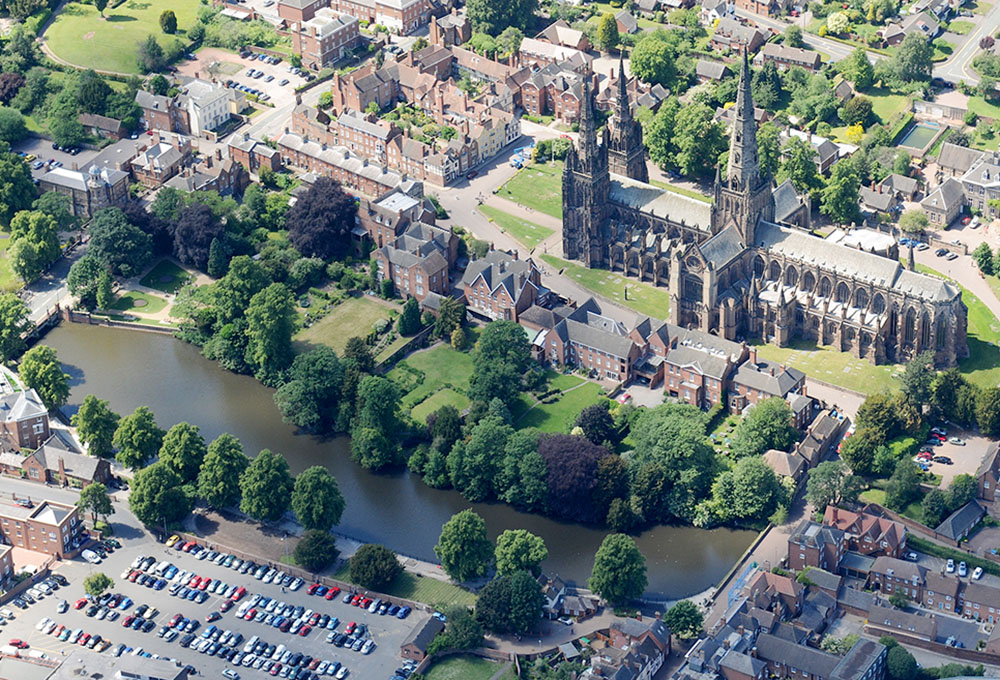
42 148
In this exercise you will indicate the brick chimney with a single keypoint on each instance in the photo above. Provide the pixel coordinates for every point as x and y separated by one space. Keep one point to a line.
62 471
218 154
753 355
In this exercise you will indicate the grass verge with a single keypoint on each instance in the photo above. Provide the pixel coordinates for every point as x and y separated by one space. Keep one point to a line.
538 186
421 589
528 233
642 297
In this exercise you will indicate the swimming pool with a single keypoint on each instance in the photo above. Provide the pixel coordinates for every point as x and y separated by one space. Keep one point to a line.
918 136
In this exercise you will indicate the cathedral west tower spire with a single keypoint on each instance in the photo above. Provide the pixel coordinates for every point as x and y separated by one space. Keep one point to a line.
626 154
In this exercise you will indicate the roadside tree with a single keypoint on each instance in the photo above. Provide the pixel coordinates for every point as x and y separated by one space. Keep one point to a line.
95 425
315 551
463 548
519 550
41 371
138 438
95 500
266 486
219 477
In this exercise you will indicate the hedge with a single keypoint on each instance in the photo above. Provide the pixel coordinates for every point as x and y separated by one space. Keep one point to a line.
931 548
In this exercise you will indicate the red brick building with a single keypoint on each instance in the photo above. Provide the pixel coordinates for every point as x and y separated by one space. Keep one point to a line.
50 528
355 173
501 286
25 420
816 545
399 16
325 38
253 154
300 10
866 533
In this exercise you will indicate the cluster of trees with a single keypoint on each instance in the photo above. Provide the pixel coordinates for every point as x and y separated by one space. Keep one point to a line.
987 261
35 234
494 18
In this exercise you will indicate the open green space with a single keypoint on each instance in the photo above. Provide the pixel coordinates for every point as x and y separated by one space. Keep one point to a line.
886 105
526 232
830 365
690 193
9 281
166 276
960 27
560 415
562 381
441 366
643 297
422 589
983 108
80 36
913 510
462 668
143 303
445 397
353 317
538 186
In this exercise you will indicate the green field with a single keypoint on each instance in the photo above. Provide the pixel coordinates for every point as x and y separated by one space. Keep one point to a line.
134 301
833 366
538 186
560 415
9 281
354 316
885 105
80 36
166 276
562 381
441 366
690 193
463 668
527 233
421 589
913 510
445 397
981 107
644 298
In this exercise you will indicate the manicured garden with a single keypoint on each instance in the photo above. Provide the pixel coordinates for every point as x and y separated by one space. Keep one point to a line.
166 276
425 372
80 36
463 668
559 415
538 186
443 397
643 297
527 233
143 303
354 316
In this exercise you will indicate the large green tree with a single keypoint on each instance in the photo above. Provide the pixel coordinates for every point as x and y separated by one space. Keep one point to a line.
17 191
463 547
988 412
840 195
266 486
34 243
607 32
138 438
120 246
903 486
799 165
749 491
519 549
510 603
158 495
316 499
858 69
315 551
913 60
183 450
653 61
658 134
271 321
13 325
375 567
499 362
95 500
831 483
41 371
619 573
768 425
219 476
768 148
95 425
493 18
700 140
684 620
96 583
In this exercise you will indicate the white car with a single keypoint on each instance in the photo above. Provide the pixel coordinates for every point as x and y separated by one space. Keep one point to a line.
977 573
137 561
342 673
962 569
950 566
368 647
91 556
41 624
296 584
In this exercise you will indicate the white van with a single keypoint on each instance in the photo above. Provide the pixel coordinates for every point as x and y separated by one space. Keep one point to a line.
7 614
162 567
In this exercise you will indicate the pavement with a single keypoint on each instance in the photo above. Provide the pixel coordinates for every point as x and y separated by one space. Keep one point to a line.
50 288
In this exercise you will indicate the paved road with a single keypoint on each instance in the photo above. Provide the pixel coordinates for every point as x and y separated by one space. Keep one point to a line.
836 50
959 67
49 290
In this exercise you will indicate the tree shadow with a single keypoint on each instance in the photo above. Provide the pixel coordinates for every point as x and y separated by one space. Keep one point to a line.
118 18
75 374
204 525
126 531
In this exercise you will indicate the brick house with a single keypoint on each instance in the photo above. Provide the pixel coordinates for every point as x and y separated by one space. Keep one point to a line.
162 160
891 575
782 595
732 35
451 29
561 33
364 134
253 154
631 631
815 545
25 420
102 126
766 8
57 462
299 10
501 286
415 645
399 16
784 658
756 380
417 262
941 593
697 366
591 341
384 220
553 90
868 534
89 191
355 173
988 475
364 86
325 38
51 528
785 57
215 173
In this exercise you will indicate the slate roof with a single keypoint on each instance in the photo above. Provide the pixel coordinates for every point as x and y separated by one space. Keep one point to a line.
857 599
844 90
699 360
903 569
421 636
824 579
723 248
794 55
876 201
590 336
627 21
768 377
784 464
959 522
713 70
903 621
957 158
815 535
901 183
743 664
19 406
786 201
76 464
812 661
660 202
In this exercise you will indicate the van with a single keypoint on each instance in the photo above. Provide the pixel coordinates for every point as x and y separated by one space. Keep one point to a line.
251 643
7 614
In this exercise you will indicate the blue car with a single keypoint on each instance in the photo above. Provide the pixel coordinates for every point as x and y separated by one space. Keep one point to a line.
138 623
192 594
278 620
201 597
403 613
170 573
160 584
126 603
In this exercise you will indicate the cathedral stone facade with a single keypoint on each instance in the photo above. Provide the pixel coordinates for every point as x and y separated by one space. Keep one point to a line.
730 268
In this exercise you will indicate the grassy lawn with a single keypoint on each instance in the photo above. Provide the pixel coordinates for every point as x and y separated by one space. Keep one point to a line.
166 276
961 27
422 589
391 348
942 49
562 381
354 316
885 105
979 6
9 281
830 365
642 297
560 415
981 107
143 303
80 36
690 193
527 233
983 142
537 186
441 367
913 510
445 397
462 668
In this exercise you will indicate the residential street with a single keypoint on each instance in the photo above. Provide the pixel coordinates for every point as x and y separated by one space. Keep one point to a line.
50 289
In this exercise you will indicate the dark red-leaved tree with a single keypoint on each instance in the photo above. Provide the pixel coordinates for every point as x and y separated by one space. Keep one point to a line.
571 462
10 83
320 222
196 227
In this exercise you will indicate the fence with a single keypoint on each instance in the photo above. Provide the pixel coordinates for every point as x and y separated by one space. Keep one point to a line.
38 576
956 652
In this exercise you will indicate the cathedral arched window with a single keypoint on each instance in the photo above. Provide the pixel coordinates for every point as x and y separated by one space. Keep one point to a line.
843 292
774 272
878 303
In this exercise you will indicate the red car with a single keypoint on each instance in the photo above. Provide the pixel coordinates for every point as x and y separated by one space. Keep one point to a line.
226 605
350 628
194 582
174 621
134 575
275 669
332 593
314 619
204 584
305 630
313 588
238 595
187 546
214 616
81 603
84 639
20 644
250 614
355 600
129 620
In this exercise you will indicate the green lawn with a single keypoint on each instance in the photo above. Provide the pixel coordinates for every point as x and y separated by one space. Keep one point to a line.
913 510
833 366
445 397
885 105
981 107
527 233
961 27
562 381
9 281
441 367
80 36
462 668
422 589
979 6
134 301
537 186
690 193
166 276
560 415
643 297
354 316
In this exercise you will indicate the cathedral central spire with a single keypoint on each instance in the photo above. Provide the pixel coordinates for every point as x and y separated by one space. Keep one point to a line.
744 166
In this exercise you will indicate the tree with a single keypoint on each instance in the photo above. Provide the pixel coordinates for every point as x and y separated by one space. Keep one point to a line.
41 371
315 551
857 110
748 491
659 133
95 500
519 549
684 619
463 548
151 56
765 85
652 61
357 350
35 243
904 485
831 483
183 450
913 222
316 499
17 191
158 495
799 165
82 280
451 316
375 567
13 325
619 573
768 148
462 631
137 438
221 469
988 412
607 32
66 130
473 465
95 425
10 84
571 464
56 206
123 248
983 257
900 664
508 42
492 18
266 486
918 378
700 140
934 507
159 85
793 36
597 424
92 92
499 361
510 603
320 222
271 321
96 583
12 124
409 320
963 488
913 60
840 196
311 397
101 5
768 425
194 232
837 22
168 22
